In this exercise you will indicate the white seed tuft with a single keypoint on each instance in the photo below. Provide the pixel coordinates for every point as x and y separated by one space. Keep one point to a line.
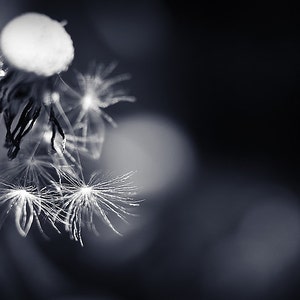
35 43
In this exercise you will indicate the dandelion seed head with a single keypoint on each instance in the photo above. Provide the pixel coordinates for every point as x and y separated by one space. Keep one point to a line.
86 190
21 194
89 102
96 91
28 169
35 43
99 198
97 88
27 203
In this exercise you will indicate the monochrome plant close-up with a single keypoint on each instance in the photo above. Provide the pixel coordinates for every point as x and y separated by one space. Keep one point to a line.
149 150
50 125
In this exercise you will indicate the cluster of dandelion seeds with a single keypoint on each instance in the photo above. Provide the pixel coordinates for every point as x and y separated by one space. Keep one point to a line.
50 126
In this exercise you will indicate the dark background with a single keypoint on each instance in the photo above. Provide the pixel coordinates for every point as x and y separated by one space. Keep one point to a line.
221 80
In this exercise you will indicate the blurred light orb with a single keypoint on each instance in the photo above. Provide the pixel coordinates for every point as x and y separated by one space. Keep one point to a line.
155 147
269 236
264 247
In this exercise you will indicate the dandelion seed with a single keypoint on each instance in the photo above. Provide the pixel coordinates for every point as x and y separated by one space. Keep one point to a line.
65 154
33 165
31 169
97 198
35 49
96 92
28 204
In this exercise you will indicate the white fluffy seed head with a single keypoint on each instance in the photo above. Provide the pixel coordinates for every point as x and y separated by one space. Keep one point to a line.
37 44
